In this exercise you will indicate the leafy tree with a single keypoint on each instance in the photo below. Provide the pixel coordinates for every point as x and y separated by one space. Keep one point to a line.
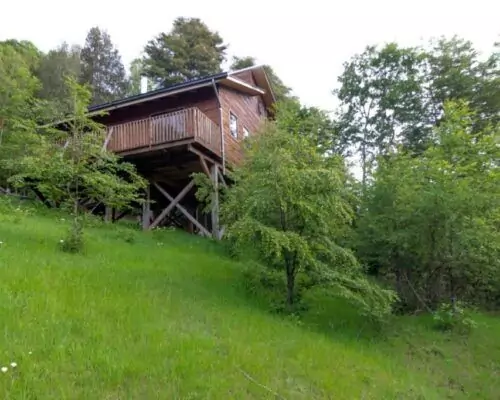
102 68
79 169
190 50
27 50
394 95
136 73
54 67
380 99
311 122
430 223
18 106
281 91
291 204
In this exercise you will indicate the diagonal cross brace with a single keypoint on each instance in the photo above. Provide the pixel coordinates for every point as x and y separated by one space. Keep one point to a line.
171 206
183 210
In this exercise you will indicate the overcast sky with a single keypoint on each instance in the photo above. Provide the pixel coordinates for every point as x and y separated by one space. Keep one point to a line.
306 43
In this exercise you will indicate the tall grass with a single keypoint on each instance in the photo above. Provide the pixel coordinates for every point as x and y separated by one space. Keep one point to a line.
164 315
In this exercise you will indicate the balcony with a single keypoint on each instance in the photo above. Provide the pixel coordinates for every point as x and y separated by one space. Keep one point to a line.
165 130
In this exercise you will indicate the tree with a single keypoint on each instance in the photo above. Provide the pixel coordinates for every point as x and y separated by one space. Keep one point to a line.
55 66
429 224
79 169
380 100
311 122
281 91
136 73
18 106
291 203
395 95
189 51
102 68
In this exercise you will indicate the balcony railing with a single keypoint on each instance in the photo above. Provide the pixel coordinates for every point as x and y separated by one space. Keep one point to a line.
189 123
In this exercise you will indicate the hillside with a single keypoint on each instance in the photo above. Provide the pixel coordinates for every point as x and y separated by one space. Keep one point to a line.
164 315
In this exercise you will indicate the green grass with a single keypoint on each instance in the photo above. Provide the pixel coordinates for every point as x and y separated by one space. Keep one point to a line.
166 317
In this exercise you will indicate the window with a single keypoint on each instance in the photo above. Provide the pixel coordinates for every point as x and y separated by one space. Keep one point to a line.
246 132
233 125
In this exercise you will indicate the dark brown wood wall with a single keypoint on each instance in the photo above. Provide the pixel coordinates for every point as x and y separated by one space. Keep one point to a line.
246 108
204 99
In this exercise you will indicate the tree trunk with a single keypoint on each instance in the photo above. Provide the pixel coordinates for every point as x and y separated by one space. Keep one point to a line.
290 286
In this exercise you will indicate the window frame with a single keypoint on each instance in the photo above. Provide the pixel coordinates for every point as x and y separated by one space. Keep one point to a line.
246 132
232 114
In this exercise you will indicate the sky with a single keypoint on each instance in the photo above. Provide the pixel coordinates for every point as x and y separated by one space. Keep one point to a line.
306 42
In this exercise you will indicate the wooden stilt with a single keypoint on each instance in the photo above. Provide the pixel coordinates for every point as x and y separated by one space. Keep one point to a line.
108 214
146 210
215 202
203 230
171 206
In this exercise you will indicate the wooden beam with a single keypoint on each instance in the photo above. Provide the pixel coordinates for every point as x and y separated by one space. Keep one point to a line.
183 210
108 138
147 149
215 202
108 214
120 216
200 154
173 203
221 177
204 166
146 210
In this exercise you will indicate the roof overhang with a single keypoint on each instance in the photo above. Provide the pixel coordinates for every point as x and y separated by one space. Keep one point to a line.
228 79
262 81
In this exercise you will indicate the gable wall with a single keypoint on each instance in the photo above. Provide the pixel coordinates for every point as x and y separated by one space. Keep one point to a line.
246 108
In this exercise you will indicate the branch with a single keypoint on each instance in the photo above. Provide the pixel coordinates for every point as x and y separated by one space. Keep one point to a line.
277 395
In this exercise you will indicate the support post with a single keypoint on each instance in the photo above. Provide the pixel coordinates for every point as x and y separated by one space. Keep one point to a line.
108 214
146 209
215 201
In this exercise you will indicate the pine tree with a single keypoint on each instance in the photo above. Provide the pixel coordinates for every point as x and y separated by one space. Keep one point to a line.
102 67
191 50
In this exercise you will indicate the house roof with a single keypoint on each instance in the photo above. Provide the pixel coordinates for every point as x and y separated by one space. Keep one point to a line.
228 78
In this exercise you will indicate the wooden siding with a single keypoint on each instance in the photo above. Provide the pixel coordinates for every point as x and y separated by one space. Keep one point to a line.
167 128
246 76
204 99
246 108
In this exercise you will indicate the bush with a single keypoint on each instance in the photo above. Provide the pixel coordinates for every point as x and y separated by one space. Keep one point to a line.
74 241
455 316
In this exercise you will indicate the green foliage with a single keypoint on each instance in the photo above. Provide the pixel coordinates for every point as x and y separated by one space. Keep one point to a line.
80 169
291 204
54 67
136 72
311 122
177 317
454 316
429 224
102 68
18 107
190 50
395 95
74 241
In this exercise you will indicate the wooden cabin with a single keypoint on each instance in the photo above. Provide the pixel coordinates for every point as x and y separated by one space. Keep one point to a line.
194 126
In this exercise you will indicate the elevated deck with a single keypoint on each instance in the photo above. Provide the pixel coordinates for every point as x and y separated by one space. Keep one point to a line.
186 126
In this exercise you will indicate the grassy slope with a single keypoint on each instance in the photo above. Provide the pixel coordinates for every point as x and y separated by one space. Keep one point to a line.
166 317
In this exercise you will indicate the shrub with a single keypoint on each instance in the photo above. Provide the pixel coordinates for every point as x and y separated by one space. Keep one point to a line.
454 316
74 241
